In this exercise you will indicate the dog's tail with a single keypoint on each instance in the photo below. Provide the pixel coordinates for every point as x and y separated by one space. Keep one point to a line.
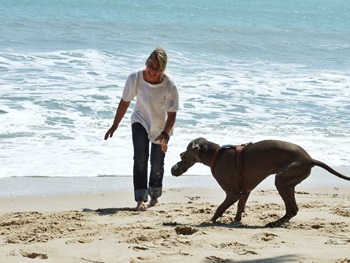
329 169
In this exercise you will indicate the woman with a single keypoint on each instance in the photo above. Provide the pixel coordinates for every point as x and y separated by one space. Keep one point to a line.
152 121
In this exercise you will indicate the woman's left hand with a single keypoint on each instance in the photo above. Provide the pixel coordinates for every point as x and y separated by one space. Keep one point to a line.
163 142
164 145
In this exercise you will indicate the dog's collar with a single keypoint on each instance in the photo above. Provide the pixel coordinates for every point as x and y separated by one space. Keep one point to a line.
213 160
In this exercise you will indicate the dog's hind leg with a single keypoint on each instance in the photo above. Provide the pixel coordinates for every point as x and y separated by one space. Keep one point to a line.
241 206
285 183
229 200
288 197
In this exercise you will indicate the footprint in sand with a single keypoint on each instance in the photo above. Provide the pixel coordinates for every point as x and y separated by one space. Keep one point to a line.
265 237
33 255
185 230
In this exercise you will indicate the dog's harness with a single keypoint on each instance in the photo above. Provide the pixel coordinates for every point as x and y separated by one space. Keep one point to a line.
239 164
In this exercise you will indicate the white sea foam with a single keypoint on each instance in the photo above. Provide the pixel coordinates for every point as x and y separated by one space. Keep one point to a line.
61 104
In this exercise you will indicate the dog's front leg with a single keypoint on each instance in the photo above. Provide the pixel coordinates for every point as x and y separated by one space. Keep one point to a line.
229 200
241 206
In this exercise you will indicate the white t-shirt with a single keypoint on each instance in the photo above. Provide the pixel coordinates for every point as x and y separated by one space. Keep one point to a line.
152 103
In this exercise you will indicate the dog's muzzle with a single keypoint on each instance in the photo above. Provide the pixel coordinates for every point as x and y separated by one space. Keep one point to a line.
179 168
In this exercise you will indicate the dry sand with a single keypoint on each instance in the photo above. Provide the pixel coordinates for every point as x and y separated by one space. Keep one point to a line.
106 228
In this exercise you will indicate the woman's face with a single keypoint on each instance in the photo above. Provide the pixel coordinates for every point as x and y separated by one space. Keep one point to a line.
153 72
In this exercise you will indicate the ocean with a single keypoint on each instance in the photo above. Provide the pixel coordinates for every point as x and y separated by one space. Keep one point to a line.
245 70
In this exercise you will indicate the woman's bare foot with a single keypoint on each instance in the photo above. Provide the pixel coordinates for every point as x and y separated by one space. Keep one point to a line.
141 206
154 202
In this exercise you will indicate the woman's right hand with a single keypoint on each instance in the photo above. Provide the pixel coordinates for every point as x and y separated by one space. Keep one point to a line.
110 132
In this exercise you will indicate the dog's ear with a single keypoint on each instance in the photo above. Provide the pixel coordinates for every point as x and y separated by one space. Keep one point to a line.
196 148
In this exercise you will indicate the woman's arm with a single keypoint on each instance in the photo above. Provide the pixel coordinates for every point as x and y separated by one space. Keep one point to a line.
122 107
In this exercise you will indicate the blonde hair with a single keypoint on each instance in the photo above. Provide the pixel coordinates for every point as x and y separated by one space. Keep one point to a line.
161 56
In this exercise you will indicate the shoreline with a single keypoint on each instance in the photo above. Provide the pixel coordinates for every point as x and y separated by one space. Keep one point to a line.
125 198
30 186
97 227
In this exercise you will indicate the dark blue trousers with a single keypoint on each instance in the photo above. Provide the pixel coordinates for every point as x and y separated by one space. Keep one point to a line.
141 157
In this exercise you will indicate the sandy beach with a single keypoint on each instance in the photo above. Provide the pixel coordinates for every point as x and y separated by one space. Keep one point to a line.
104 227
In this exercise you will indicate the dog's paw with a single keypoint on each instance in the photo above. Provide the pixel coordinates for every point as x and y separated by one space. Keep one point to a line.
278 223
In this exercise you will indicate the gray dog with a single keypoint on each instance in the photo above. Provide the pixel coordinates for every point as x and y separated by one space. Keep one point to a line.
239 169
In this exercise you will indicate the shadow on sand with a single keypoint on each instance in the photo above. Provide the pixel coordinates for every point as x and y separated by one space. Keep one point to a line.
108 211
279 259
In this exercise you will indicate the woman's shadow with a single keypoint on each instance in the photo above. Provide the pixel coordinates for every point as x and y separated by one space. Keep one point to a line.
108 211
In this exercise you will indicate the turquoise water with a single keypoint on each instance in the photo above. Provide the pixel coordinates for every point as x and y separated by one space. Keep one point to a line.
246 71
308 32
